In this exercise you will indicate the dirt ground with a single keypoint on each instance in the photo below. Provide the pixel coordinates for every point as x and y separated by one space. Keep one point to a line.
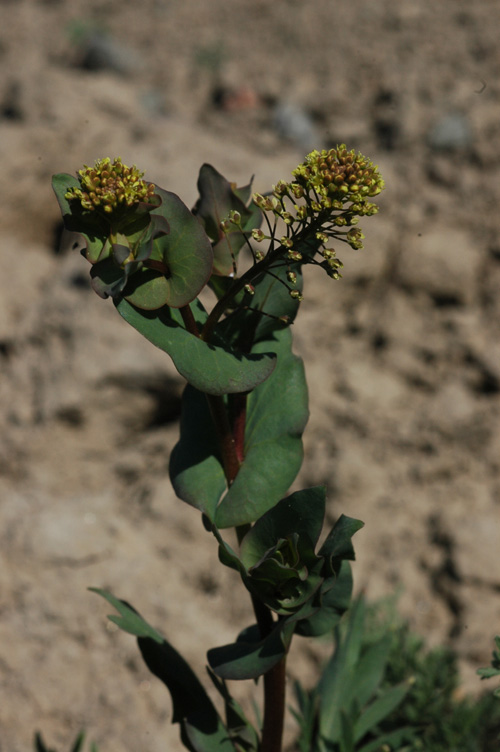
402 355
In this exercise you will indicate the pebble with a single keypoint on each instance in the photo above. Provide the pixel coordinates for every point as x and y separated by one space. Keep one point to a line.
443 261
100 52
450 132
292 123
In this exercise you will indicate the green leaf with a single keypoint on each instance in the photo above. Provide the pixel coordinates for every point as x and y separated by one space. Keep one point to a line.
392 740
147 289
338 672
40 744
78 743
186 253
333 601
210 368
195 466
217 198
250 657
346 741
276 417
201 725
338 545
89 225
129 620
302 512
270 301
203 733
241 730
380 709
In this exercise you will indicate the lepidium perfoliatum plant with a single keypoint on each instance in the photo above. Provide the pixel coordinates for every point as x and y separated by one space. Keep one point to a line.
244 410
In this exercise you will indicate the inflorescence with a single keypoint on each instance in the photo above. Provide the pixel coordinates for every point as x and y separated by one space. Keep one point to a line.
111 185
328 196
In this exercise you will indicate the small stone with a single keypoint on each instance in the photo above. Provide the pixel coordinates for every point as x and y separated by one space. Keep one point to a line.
444 262
100 52
451 132
294 124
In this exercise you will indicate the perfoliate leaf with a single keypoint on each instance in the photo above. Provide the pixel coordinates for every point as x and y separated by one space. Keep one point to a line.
195 465
186 254
92 228
338 543
208 367
276 417
331 601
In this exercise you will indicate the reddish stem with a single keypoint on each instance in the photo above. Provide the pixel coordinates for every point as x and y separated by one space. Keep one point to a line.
232 445
274 708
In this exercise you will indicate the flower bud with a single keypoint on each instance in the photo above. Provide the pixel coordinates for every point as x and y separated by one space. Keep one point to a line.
258 235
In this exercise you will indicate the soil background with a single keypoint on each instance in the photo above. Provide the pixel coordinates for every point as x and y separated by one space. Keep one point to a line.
402 355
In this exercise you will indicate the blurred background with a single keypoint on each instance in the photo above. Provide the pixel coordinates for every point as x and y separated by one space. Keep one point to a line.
402 355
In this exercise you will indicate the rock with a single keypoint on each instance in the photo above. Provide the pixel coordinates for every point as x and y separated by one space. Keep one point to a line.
100 52
294 124
444 262
450 132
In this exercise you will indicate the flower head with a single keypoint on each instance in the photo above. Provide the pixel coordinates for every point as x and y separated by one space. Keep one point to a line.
339 174
109 186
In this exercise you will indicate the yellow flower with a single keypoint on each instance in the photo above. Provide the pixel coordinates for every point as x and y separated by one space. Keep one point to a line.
110 185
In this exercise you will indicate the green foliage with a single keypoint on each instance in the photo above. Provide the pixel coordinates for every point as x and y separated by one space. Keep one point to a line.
211 368
430 715
345 711
444 719
77 746
494 669
218 199
202 729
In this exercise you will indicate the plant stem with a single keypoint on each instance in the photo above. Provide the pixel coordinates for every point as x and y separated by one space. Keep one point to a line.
232 442
189 322
230 459
274 708
238 407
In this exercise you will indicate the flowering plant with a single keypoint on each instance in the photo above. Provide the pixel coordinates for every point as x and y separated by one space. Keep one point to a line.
244 410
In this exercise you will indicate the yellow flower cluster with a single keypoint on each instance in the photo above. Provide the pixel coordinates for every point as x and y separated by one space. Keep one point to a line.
339 174
111 185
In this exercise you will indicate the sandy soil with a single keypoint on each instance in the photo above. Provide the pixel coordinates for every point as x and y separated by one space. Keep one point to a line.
402 355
